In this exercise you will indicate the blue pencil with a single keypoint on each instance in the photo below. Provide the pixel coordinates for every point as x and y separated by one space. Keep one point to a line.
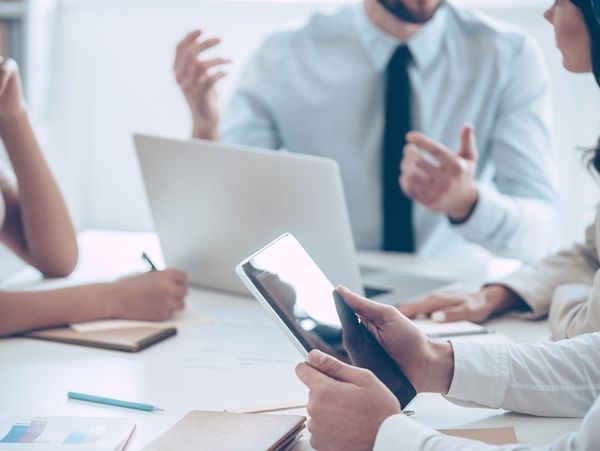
112 402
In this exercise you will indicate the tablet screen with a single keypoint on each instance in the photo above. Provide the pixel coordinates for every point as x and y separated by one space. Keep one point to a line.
306 302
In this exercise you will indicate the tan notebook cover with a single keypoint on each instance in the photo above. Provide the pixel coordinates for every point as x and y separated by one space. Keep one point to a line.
128 340
491 436
226 431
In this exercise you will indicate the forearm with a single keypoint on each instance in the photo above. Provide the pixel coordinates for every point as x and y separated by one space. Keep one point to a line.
537 284
575 311
26 310
399 432
545 379
202 131
47 237
402 433
550 379
510 226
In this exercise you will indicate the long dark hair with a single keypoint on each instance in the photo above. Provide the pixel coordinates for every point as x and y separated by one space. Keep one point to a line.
593 26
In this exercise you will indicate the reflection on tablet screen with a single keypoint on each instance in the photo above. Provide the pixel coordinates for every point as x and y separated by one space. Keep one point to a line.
307 303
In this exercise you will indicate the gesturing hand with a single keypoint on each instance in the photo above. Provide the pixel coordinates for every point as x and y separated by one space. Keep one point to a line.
11 93
445 183
197 77
347 405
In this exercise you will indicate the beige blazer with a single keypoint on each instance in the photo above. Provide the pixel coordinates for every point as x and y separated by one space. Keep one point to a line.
564 286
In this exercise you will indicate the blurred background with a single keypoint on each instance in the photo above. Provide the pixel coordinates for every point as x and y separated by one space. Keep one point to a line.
96 71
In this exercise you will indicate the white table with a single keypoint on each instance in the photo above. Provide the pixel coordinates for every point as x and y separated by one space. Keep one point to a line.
37 375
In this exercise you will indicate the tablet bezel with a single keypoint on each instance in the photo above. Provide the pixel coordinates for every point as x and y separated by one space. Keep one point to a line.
299 341
405 393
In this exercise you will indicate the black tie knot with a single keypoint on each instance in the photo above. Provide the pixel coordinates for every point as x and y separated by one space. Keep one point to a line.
400 59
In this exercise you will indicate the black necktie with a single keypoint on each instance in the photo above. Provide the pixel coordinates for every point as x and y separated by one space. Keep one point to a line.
397 208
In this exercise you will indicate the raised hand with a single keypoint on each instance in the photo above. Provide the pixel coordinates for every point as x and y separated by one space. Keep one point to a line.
197 77
443 181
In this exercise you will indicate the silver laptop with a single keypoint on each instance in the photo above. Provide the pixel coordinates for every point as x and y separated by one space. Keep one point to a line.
214 204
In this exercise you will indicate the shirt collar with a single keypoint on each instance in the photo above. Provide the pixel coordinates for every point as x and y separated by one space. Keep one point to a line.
380 46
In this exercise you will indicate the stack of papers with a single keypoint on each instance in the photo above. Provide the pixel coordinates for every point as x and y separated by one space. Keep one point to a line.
64 433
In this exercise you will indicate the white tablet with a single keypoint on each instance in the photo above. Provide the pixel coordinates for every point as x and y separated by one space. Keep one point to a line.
300 298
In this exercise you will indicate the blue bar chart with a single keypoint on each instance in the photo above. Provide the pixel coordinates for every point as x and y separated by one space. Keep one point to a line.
25 433
69 433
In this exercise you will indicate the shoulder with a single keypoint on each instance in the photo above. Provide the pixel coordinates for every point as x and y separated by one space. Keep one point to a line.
486 34
317 32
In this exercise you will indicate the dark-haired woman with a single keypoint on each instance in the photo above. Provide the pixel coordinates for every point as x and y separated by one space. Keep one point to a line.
351 409
565 286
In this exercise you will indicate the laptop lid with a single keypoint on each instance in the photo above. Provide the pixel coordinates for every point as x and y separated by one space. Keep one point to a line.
213 204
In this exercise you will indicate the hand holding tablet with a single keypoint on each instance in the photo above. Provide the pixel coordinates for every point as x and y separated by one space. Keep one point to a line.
289 284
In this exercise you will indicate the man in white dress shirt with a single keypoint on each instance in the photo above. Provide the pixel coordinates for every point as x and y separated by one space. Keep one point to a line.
351 409
351 84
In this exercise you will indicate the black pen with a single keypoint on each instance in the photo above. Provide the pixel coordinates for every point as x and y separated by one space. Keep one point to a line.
147 260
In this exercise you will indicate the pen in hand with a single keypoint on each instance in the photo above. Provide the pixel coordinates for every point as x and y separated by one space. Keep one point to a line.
147 260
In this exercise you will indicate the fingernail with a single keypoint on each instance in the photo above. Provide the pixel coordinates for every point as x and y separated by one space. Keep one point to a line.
438 317
343 289
317 357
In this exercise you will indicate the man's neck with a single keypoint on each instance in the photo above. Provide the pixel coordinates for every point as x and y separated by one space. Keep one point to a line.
389 23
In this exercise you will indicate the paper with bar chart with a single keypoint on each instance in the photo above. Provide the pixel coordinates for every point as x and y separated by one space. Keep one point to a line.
61 433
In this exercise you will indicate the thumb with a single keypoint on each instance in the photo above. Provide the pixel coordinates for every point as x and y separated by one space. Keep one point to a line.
334 368
371 311
468 146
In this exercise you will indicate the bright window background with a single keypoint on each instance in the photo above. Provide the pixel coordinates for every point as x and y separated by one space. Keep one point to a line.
101 71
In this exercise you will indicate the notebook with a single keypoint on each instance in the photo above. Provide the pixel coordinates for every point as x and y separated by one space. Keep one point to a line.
188 317
227 431
127 339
